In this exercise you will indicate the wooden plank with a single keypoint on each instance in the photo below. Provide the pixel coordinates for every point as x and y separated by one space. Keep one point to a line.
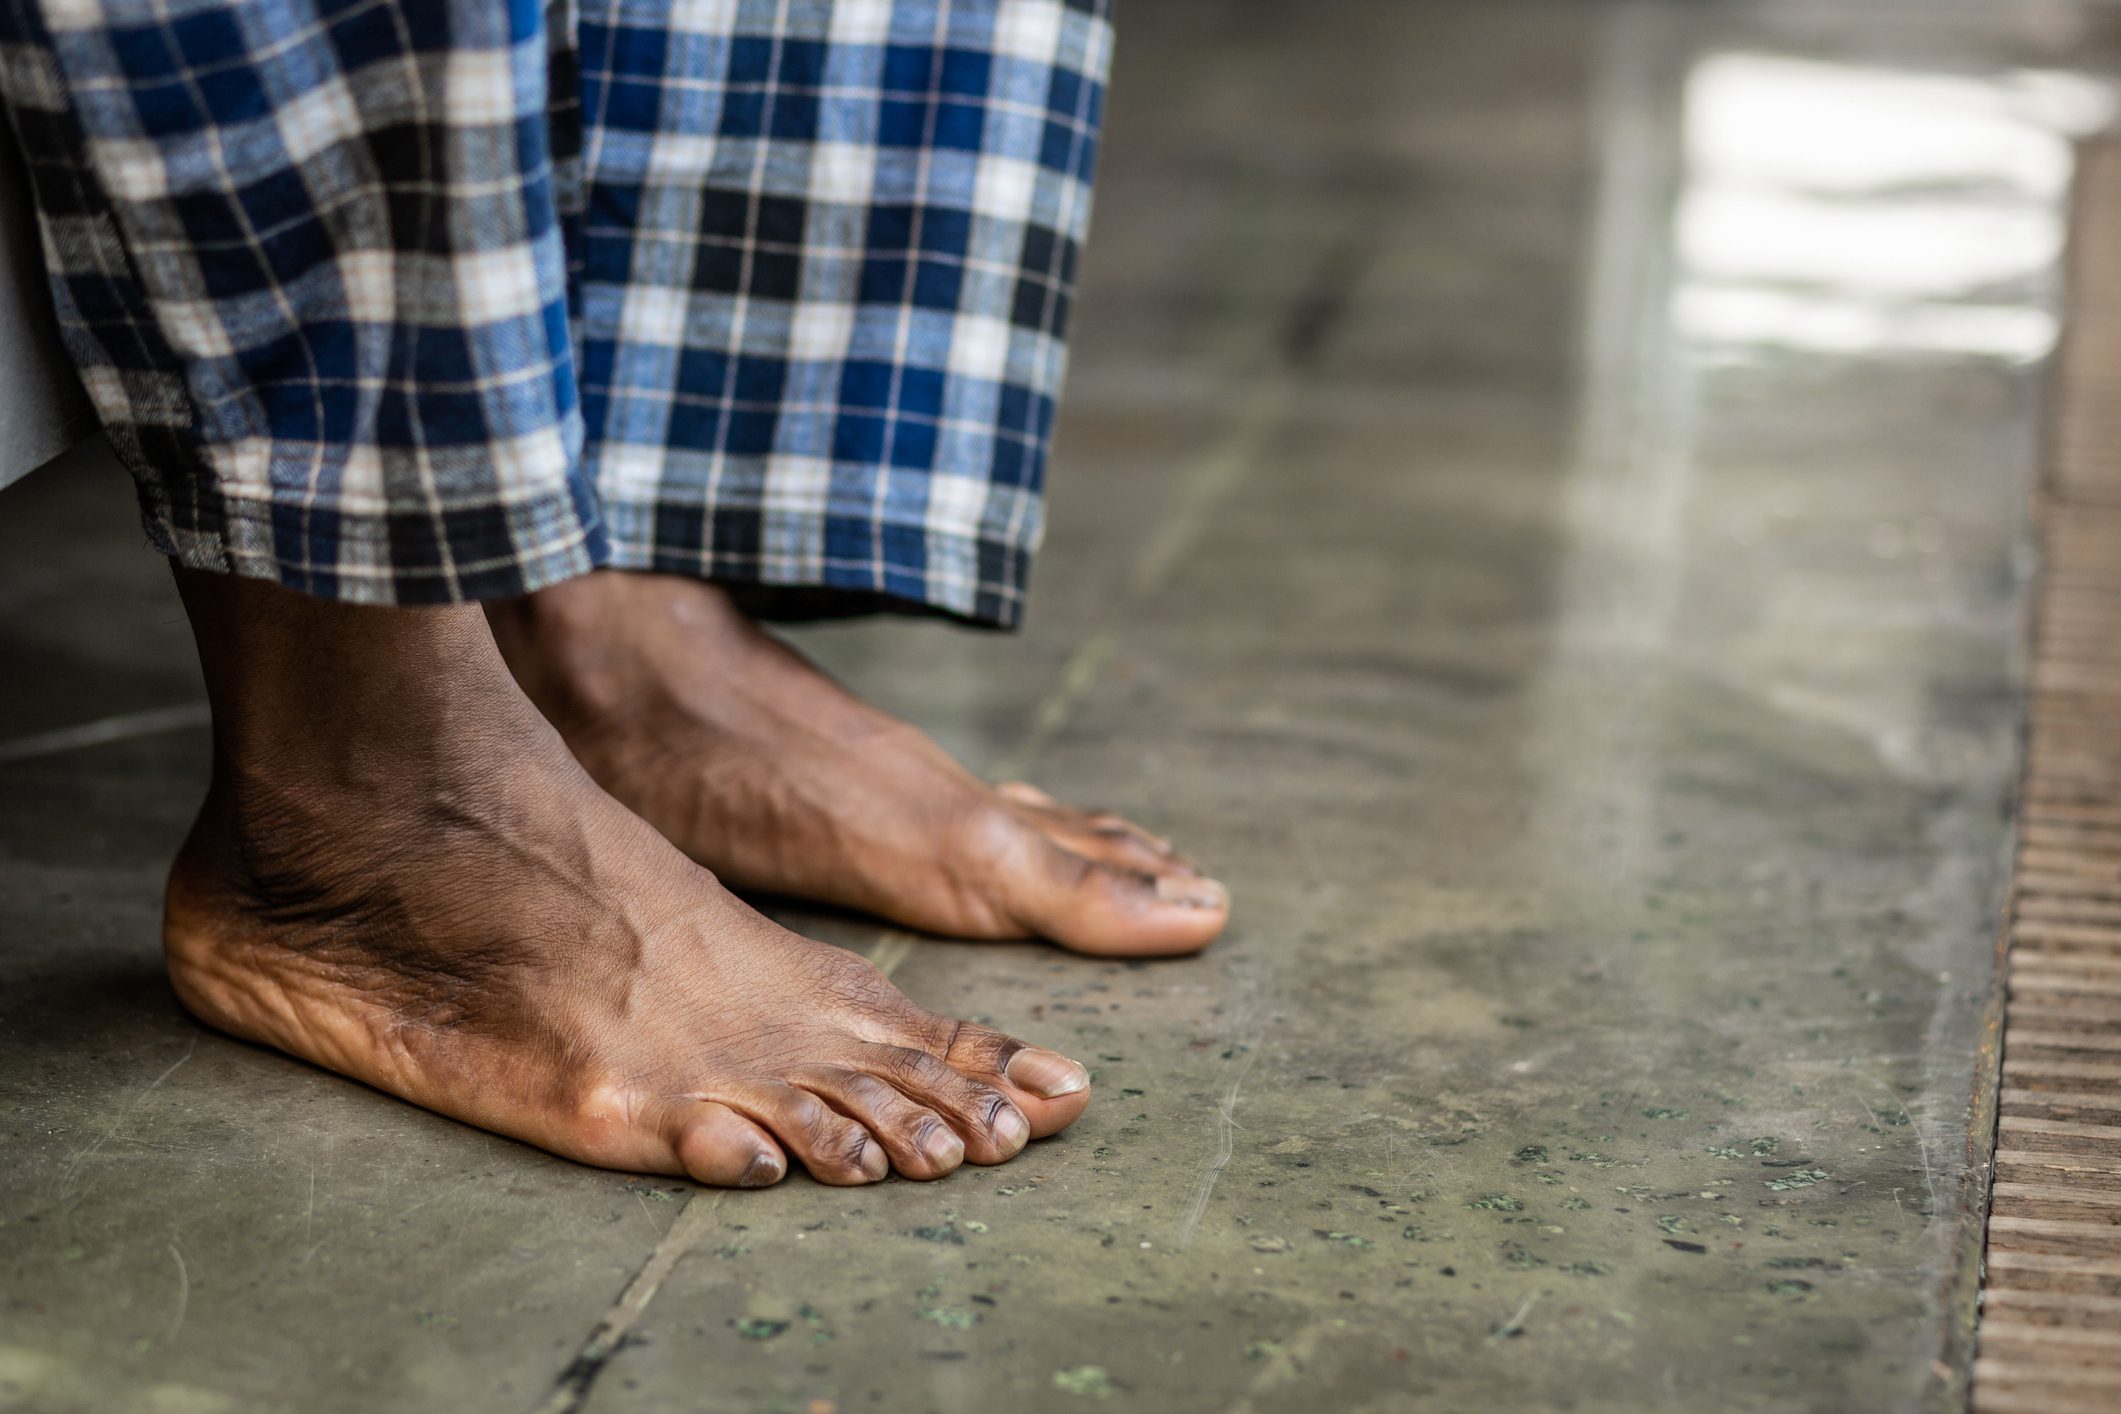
2086 1380
2092 883
2052 1039
2097 1201
2089 1107
2075 1344
2074 909
2059 864
2074 838
2044 930
2025 1071
2007 1260
2051 1170
2050 1327
2083 962
2053 1308
2014 1394
2050 1134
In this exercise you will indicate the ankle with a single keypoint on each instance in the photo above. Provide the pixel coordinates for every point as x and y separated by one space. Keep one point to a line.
314 699
605 644
558 646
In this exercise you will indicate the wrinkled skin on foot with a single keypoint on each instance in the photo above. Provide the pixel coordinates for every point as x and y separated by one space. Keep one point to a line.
756 764
400 873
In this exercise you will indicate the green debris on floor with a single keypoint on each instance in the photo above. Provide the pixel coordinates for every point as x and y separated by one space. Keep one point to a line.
1090 1381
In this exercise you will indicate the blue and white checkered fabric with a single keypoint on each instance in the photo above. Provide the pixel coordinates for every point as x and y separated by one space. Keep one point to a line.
418 300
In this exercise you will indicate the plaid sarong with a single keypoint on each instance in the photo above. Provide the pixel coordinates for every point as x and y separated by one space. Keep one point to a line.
426 300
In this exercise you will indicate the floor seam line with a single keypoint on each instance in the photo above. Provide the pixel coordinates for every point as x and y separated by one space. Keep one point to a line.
609 1335
125 726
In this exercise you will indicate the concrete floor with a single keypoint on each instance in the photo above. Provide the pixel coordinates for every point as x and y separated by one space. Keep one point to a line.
1584 633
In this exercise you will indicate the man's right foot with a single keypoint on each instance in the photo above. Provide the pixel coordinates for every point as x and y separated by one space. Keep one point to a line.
401 874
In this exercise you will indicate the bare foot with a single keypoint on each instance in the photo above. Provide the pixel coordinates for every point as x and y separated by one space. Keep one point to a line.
756 764
400 873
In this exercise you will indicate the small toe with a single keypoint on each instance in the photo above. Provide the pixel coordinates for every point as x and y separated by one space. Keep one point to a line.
1104 822
717 1146
994 1123
1024 793
1098 834
834 1148
921 1144
1120 846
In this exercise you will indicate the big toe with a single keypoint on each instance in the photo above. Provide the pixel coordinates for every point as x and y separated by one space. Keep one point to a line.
1051 1090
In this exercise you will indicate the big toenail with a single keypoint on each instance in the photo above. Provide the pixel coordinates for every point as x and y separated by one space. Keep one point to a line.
1011 1128
1047 1074
1191 893
763 1171
942 1146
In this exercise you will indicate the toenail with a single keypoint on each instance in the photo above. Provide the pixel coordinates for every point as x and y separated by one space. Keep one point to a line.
874 1162
763 1171
942 1146
1192 893
1047 1074
1012 1129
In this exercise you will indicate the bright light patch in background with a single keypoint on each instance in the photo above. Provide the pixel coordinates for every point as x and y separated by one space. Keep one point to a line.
1853 209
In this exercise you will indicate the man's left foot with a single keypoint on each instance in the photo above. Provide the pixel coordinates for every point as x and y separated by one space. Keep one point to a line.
759 766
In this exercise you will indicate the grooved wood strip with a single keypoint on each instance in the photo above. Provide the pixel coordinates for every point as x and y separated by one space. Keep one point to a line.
2056 1035
2051 1308
2003 1394
2050 1324
2042 930
2032 1072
